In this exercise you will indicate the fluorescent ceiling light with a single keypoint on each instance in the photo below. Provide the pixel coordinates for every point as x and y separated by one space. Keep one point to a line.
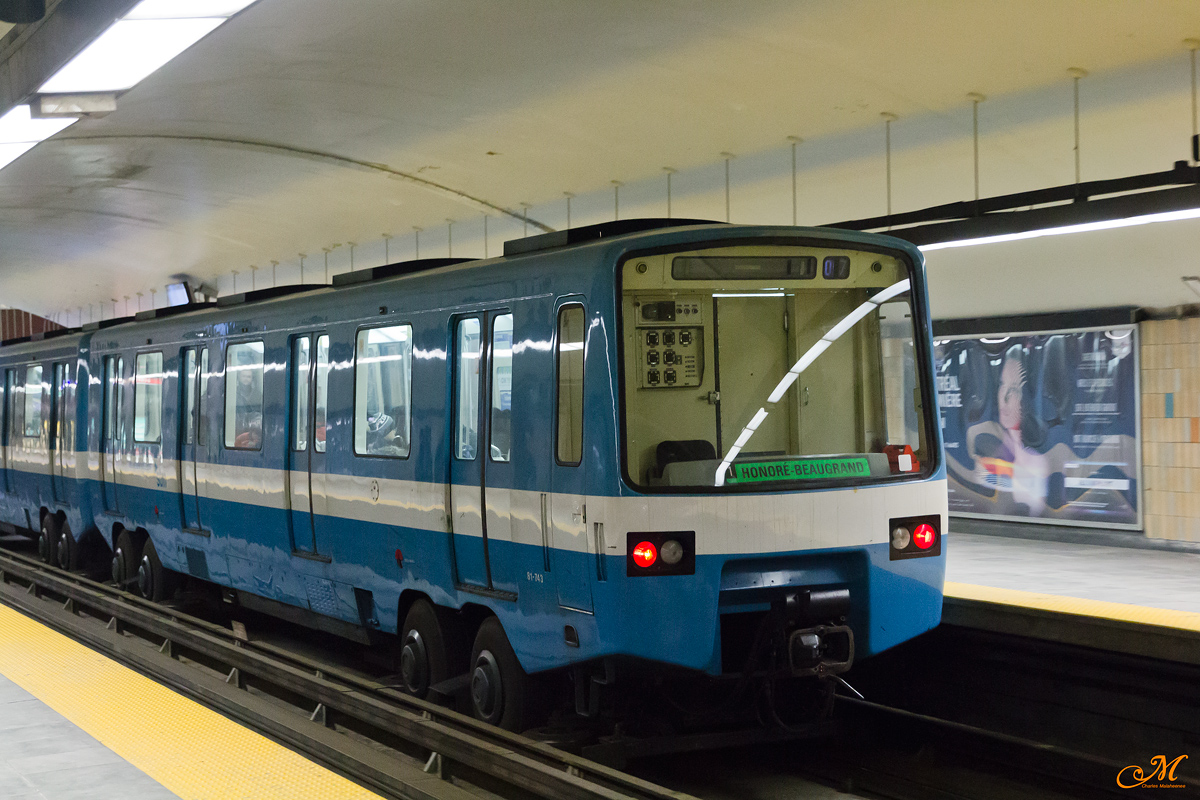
18 127
11 152
126 53
19 132
186 9
1145 219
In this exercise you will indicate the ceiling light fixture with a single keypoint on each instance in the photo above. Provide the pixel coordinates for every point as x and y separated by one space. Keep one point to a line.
1127 222
19 132
138 44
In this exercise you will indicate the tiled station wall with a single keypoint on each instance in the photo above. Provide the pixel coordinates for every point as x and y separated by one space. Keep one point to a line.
1170 363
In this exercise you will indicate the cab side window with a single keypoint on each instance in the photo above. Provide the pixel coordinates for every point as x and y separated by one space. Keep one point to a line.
244 396
569 427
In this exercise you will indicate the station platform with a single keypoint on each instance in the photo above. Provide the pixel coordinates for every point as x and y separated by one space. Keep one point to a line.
1129 600
75 725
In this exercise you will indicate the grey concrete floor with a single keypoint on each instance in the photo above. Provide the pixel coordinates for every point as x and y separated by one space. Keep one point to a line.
1154 578
44 756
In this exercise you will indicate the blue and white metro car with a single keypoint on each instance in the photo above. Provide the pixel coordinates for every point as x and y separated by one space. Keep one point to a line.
702 446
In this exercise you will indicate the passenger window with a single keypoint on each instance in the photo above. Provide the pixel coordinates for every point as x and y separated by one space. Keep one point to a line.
319 418
301 371
202 401
147 398
33 401
10 403
467 354
500 427
244 396
188 387
383 382
112 402
569 430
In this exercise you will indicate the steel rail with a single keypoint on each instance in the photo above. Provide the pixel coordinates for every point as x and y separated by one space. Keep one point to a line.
190 655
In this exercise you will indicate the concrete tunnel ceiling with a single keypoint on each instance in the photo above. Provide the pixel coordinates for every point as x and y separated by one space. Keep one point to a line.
304 126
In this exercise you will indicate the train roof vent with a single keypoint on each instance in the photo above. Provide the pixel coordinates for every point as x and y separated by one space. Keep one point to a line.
392 270
265 294
108 323
588 233
159 313
39 336
57 332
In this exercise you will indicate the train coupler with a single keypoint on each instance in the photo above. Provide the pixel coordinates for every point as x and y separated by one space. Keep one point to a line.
822 650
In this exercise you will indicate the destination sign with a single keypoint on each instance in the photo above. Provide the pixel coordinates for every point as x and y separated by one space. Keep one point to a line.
799 469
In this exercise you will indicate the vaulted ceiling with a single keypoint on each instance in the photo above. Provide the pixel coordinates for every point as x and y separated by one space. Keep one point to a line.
302 126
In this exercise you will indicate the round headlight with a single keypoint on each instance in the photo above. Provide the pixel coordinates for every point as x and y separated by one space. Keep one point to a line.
900 537
671 551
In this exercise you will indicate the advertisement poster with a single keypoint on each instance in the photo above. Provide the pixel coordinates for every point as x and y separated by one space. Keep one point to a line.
1042 427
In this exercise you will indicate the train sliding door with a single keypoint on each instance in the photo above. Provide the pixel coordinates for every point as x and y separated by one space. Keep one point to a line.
111 430
481 470
193 434
572 556
6 394
305 476
59 435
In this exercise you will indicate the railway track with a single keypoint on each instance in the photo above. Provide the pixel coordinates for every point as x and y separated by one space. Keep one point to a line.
955 714
389 742
963 713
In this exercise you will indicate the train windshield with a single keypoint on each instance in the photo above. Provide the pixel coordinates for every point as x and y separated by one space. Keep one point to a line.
767 367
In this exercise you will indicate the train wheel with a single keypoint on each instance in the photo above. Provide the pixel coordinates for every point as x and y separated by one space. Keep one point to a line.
67 552
424 658
498 683
154 581
125 561
48 539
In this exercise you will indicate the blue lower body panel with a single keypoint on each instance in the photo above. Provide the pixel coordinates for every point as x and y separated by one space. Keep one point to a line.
673 620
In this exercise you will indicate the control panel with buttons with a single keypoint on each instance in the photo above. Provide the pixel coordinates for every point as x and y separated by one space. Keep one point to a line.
680 311
670 357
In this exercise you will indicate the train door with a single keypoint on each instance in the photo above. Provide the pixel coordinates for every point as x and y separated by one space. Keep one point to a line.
192 434
572 555
481 471
305 474
59 432
111 430
748 374
5 398
827 391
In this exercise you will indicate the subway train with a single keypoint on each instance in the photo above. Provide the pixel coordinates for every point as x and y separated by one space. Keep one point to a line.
648 445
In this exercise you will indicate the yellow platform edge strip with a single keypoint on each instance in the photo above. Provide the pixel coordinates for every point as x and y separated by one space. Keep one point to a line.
188 748
1145 615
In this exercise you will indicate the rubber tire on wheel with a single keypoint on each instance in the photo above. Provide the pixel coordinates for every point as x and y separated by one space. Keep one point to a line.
423 633
48 540
125 561
66 553
491 657
154 581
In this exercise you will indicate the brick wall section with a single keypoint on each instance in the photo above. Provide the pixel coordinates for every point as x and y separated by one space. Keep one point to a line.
1170 362
15 323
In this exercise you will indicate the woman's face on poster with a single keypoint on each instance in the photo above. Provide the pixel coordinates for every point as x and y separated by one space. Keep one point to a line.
1012 383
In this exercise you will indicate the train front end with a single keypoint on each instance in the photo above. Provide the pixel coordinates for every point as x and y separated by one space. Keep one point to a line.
784 500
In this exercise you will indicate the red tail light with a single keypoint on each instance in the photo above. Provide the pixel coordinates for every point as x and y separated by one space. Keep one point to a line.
645 554
924 536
